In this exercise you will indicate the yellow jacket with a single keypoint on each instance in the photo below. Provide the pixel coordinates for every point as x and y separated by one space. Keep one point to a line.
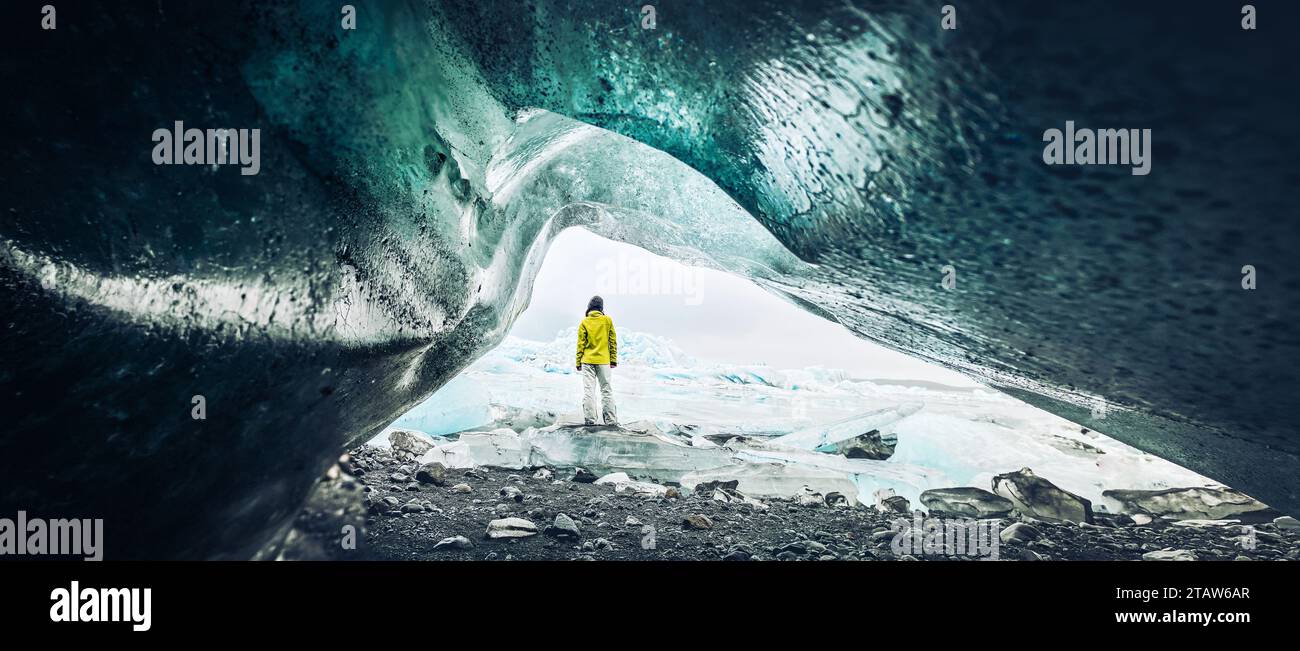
597 343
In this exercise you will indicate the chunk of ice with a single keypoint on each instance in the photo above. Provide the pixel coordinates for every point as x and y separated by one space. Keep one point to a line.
880 419
607 449
774 479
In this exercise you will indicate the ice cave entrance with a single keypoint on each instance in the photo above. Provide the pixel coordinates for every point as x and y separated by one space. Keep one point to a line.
705 357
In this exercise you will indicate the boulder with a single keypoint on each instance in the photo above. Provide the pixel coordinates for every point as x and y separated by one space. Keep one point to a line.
707 488
1194 503
895 504
624 484
834 498
564 527
432 473
1019 532
725 492
966 502
697 521
454 542
409 443
511 493
511 528
1039 498
1170 555
809 497
1115 520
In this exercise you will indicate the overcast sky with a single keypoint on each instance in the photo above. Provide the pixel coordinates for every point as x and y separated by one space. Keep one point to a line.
709 314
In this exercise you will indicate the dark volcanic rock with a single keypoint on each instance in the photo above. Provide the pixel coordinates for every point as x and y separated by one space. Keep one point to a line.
1019 532
564 527
331 524
697 521
635 528
432 473
896 504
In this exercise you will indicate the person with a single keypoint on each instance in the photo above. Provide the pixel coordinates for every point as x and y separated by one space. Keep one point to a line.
597 354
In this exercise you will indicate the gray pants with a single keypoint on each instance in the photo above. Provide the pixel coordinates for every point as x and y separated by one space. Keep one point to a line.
593 374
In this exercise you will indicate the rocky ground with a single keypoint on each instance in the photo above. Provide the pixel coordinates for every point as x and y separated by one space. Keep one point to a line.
396 509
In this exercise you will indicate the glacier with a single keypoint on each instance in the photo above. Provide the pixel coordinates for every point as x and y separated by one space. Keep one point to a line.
414 170
693 421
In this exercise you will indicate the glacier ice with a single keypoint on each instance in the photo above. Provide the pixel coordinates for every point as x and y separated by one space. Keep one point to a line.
502 448
606 449
768 428
775 479
816 438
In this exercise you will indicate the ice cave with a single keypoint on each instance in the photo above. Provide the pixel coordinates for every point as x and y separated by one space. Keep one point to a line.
840 156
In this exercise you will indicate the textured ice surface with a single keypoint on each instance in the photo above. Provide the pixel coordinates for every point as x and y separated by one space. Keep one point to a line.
607 450
404 203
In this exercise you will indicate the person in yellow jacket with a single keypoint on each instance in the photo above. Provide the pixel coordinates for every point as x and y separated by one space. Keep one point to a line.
597 354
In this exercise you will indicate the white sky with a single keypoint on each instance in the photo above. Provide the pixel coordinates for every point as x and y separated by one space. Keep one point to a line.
710 314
